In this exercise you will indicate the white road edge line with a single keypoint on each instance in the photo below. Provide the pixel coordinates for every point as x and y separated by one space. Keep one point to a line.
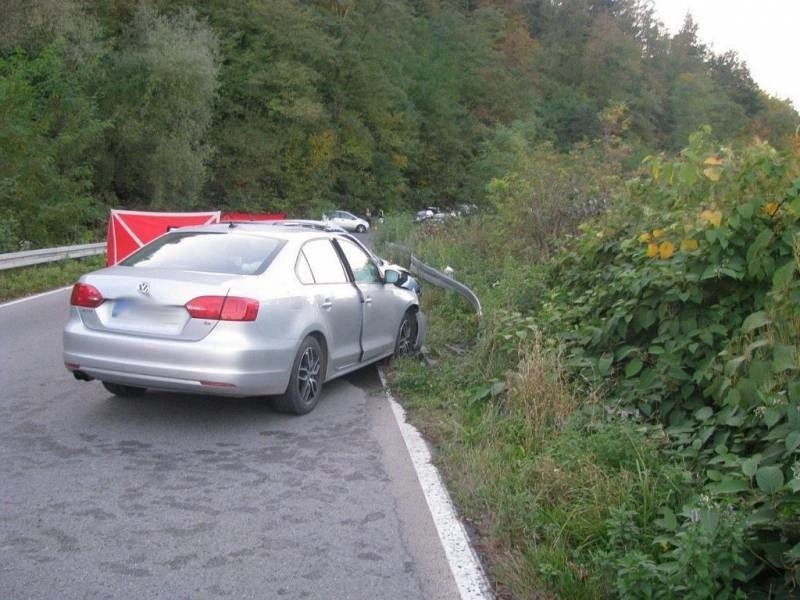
21 300
464 563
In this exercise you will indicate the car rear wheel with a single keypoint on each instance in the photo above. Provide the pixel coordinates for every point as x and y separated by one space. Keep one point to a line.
361 229
305 385
124 391
406 335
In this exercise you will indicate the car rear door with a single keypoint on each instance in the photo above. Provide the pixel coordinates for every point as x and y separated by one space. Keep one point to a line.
338 301
382 309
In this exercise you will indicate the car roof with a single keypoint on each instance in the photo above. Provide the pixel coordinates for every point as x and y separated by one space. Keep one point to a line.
290 229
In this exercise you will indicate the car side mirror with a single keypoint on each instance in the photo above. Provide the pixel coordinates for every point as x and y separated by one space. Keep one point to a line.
392 276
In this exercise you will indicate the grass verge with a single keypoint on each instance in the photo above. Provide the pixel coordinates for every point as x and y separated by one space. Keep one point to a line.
530 460
24 281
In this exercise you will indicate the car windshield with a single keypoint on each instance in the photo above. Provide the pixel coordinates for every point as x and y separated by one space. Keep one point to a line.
207 252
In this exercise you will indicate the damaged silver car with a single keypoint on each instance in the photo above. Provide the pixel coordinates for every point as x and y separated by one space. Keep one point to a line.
238 310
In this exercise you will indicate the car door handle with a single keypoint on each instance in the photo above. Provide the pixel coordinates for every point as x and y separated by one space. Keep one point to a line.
367 299
326 304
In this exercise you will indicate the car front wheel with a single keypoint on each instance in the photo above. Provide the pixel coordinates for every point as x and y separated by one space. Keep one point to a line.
361 229
406 335
305 384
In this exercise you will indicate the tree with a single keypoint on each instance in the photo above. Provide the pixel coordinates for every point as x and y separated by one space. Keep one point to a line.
777 122
695 101
159 90
49 129
272 129
733 78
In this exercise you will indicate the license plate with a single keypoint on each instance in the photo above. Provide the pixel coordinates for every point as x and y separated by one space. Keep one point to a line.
129 310
122 307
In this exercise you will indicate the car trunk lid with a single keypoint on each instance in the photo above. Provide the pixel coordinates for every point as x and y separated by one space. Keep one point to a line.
152 302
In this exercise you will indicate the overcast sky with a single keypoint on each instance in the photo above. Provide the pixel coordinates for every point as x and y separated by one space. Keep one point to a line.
763 32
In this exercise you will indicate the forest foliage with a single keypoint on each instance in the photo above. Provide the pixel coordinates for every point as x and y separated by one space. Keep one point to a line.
301 106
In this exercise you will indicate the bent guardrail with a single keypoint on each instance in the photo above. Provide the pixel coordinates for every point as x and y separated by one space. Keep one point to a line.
442 280
12 260
436 277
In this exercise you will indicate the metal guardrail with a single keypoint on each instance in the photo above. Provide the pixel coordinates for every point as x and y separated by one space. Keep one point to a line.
12 260
437 278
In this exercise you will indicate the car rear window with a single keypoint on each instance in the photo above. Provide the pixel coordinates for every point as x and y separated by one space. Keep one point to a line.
235 254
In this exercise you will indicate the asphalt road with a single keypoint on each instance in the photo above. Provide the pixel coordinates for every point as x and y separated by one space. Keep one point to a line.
174 496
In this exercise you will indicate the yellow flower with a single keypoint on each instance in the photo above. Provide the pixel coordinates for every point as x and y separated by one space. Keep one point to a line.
713 173
770 208
712 216
713 161
666 249
688 245
644 238
652 250
657 233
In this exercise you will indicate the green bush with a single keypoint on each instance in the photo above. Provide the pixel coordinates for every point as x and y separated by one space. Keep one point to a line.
683 303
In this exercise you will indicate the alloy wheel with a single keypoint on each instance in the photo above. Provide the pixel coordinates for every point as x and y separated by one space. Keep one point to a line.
308 375
404 341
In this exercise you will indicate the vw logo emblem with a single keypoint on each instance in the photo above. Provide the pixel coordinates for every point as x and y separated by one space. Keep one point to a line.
143 288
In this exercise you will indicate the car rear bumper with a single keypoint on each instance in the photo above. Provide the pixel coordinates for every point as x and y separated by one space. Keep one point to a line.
224 363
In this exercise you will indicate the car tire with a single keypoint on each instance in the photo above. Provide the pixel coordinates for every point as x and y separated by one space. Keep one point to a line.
360 229
406 335
124 391
305 384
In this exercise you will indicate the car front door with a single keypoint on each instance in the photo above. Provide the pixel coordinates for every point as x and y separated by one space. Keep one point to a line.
381 314
339 303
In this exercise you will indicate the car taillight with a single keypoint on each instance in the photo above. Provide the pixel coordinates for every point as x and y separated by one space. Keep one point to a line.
223 308
86 296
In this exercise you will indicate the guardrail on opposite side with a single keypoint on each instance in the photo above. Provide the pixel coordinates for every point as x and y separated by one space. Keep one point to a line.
12 260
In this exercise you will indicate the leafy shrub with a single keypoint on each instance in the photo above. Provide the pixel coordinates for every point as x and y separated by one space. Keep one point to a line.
549 196
702 558
683 301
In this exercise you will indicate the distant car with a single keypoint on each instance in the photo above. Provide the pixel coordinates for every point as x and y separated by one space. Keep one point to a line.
422 215
237 310
348 221
428 213
440 217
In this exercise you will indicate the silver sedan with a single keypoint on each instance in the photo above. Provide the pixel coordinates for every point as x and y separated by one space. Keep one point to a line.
348 221
239 310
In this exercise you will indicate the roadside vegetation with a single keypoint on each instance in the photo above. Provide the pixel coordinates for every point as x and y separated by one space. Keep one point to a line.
625 419
24 281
